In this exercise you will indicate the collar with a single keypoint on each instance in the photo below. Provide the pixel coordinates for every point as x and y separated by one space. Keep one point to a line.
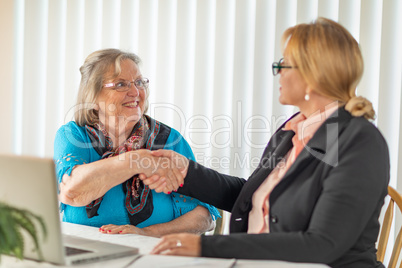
305 128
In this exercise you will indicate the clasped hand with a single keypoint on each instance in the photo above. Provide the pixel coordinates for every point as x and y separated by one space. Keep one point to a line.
167 171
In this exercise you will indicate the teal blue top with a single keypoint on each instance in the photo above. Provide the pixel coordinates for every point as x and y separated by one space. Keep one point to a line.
73 147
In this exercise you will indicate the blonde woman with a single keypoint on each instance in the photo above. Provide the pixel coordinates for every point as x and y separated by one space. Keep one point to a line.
318 191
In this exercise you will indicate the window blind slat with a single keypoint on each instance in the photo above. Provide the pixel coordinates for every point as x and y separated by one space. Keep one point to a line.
110 23
8 118
306 10
243 83
184 63
148 27
349 15
129 25
74 55
370 29
286 12
262 128
328 9
55 79
221 137
166 55
34 78
92 26
199 123
389 97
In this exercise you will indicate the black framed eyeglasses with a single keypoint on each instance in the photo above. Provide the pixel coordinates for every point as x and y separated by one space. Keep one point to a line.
278 66
122 86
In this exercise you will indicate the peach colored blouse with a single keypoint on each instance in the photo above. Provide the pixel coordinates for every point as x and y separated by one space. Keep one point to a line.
304 129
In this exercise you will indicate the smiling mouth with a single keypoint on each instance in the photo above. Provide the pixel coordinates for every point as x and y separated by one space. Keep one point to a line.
132 104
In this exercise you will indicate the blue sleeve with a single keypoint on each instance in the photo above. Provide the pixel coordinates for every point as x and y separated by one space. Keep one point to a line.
72 147
182 203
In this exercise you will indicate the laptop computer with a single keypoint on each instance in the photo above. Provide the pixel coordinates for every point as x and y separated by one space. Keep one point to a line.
30 183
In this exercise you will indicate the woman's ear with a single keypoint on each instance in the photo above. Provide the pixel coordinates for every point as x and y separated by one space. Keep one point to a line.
309 89
95 106
308 93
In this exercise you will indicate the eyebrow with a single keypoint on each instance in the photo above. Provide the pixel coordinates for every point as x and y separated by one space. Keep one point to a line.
129 80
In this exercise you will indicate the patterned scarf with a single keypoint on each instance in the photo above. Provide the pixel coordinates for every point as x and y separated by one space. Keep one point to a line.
138 201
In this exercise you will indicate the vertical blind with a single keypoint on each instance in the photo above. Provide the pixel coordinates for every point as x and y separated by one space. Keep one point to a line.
209 63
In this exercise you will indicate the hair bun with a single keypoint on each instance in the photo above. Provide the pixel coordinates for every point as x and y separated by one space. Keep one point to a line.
360 106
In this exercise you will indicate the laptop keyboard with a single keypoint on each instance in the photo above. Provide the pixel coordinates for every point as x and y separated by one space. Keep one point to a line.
75 251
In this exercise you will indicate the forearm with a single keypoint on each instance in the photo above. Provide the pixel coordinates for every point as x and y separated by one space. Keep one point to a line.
272 246
197 221
88 182
197 184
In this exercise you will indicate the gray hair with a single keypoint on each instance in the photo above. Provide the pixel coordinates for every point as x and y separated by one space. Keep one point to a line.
96 65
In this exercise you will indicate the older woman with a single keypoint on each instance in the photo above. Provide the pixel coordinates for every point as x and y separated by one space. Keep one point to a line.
99 156
318 191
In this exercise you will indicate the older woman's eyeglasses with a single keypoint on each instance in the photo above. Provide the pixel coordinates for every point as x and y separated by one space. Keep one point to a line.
278 66
121 86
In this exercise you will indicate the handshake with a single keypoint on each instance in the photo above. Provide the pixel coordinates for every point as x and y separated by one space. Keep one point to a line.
162 170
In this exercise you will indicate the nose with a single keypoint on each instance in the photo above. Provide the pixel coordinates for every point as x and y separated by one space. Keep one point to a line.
133 90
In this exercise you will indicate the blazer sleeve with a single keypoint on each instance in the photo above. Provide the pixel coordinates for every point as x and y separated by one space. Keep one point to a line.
351 197
211 187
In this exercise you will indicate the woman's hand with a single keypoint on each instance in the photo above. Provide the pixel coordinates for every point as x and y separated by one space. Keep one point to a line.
173 167
122 229
179 244
197 221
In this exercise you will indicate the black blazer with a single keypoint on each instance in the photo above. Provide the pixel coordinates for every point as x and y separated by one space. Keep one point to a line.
324 210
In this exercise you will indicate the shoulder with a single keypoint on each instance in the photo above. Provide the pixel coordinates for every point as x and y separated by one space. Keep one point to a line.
359 128
362 143
70 127
176 134
72 134
366 125
173 136
72 147
175 139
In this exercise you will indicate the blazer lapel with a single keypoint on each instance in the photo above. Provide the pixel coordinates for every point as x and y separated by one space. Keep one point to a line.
323 146
272 157
276 149
278 146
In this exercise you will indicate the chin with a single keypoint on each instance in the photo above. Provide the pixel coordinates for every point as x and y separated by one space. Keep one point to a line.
133 118
281 101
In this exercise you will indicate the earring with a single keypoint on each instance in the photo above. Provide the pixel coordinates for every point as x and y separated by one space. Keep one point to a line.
307 97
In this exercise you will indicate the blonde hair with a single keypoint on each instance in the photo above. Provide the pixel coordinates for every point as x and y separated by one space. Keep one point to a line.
330 60
93 72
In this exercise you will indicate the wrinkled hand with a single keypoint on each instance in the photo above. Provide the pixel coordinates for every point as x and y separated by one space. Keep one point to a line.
183 244
173 167
121 229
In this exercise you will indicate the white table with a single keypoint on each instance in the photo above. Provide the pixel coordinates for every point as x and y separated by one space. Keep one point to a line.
145 245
